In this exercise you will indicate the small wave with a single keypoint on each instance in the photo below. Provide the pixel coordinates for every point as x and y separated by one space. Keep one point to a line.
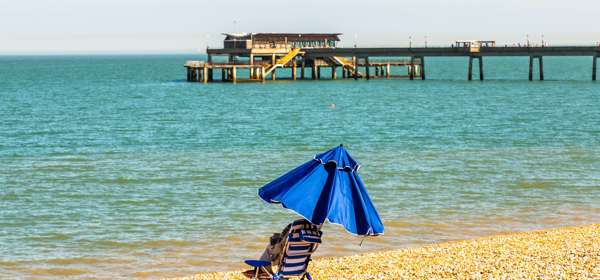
200 263
116 244
169 243
49 237
146 244
536 184
56 271
86 261
7 265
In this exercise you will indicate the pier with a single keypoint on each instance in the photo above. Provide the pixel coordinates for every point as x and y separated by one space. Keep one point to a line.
261 55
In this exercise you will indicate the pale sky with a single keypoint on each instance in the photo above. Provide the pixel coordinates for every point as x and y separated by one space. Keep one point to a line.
91 26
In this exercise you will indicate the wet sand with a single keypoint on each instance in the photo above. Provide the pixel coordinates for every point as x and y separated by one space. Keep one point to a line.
564 253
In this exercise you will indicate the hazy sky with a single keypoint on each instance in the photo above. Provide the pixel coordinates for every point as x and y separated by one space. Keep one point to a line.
50 26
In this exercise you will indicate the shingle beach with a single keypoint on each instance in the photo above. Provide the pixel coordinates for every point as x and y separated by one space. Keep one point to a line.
564 253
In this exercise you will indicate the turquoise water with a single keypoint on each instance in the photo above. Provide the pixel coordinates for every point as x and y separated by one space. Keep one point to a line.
113 166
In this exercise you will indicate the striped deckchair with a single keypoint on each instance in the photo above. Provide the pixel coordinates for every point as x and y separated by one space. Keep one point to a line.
302 241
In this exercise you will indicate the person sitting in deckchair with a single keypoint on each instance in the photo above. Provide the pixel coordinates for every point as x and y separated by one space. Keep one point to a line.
277 246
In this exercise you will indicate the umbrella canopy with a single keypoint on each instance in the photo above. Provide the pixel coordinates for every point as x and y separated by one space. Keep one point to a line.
327 187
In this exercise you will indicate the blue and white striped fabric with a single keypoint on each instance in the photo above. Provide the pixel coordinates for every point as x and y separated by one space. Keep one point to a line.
303 240
305 235
294 265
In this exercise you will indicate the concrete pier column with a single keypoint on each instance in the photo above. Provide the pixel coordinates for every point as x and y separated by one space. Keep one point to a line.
333 72
189 74
411 68
302 69
376 71
210 71
531 68
541 66
422 68
318 72
314 71
387 71
594 67
367 72
251 70
234 74
355 64
205 74
222 75
343 72
480 68
294 70
470 73
274 74
262 74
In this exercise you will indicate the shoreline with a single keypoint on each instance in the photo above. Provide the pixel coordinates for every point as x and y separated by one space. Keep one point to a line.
561 253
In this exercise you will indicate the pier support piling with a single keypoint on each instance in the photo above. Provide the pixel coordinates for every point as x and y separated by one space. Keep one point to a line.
480 68
234 74
205 74
470 72
313 72
355 63
367 73
594 67
252 73
210 71
422 68
387 71
294 70
333 72
541 66
411 68
531 68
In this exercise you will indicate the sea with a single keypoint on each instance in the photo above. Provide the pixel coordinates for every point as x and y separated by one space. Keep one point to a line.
115 167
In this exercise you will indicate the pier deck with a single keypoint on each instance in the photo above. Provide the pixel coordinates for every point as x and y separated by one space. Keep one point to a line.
355 62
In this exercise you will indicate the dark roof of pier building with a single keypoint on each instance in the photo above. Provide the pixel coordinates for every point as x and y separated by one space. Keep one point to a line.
290 37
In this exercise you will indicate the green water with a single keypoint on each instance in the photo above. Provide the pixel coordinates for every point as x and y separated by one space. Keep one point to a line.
113 166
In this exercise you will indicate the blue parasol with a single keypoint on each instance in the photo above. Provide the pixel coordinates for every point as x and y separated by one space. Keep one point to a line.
327 187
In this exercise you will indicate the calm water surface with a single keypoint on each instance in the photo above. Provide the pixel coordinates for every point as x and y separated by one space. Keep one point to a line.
114 167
